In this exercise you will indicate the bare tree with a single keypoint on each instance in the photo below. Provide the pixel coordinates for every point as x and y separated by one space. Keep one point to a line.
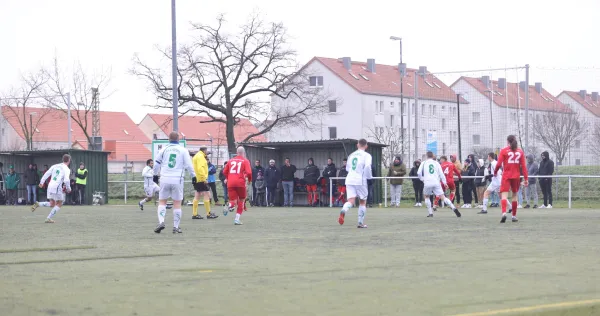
21 104
594 141
224 76
79 84
391 138
559 131
482 152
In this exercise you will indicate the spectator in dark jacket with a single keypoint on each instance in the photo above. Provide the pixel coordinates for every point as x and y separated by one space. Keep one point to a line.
370 185
272 177
546 169
468 170
417 184
473 187
397 169
531 193
287 180
311 175
255 170
32 180
341 183
222 179
329 172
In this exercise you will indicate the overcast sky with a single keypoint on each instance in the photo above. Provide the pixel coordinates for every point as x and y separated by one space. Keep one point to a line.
443 35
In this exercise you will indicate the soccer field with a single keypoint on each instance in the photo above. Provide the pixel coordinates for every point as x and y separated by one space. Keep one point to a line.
108 261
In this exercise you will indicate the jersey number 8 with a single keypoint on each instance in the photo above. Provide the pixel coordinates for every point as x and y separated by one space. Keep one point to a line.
431 169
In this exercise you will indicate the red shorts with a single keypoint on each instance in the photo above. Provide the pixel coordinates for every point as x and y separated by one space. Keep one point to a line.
237 193
341 189
311 188
451 185
510 185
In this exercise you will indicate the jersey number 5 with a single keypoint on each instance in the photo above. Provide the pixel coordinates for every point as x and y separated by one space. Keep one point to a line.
56 175
431 169
514 157
172 160
235 167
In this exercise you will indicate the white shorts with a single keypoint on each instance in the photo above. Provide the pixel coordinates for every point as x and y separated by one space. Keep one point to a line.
433 190
150 190
493 187
173 191
360 191
60 196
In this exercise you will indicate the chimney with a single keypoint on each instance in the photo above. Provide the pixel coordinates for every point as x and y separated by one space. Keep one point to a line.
583 93
347 63
523 85
371 65
422 70
538 87
402 69
595 96
486 81
502 83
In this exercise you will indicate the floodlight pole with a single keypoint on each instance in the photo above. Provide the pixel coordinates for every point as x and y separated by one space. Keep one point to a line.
174 67
69 120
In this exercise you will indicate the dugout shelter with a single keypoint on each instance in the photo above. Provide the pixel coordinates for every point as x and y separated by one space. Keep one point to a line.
319 150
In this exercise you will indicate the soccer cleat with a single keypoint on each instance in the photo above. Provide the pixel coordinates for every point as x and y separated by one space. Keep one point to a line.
549 206
177 230
515 219
360 225
482 212
341 218
225 210
237 222
535 206
35 206
141 206
197 217
416 205
543 206
49 221
527 206
211 216
430 215
503 220
159 228
519 206
457 212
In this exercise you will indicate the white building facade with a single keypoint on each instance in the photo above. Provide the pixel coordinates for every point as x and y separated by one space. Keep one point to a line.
588 107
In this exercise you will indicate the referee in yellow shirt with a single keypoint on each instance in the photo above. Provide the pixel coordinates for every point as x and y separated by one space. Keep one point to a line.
201 186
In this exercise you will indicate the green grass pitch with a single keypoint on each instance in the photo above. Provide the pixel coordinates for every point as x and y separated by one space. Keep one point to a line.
108 261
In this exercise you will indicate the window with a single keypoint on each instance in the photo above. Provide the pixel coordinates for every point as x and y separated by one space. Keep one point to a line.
578 162
379 131
434 109
3 132
476 117
424 133
316 81
423 109
403 132
437 85
126 132
404 108
392 105
353 76
379 106
391 120
413 133
443 148
332 132
476 140
577 144
364 77
332 106
513 117
430 110
412 109
442 110
429 83
443 124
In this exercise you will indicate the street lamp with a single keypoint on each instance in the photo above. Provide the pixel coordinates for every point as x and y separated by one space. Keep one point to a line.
31 115
401 70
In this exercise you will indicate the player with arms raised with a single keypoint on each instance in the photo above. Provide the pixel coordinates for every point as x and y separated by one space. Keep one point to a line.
59 176
150 187
171 163
449 170
359 171
431 173
512 161
237 173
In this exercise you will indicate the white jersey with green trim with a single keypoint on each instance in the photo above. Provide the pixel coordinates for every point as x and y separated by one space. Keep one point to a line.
359 168
431 173
59 174
172 161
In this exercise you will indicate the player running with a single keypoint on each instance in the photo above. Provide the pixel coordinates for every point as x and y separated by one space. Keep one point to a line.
60 175
449 170
171 163
494 185
201 186
237 174
512 160
359 171
150 187
431 173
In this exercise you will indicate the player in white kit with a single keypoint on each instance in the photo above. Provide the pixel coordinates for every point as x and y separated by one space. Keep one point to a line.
359 171
171 163
494 185
431 173
59 178
150 187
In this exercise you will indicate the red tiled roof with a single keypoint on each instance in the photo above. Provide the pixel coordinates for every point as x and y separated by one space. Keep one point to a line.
52 125
588 103
191 127
386 80
514 97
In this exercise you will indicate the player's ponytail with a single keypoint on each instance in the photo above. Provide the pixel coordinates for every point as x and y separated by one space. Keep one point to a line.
512 140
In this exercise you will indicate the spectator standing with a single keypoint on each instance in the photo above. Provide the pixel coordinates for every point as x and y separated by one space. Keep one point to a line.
459 166
480 182
255 170
12 186
473 188
81 182
311 175
223 184
329 172
261 186
398 169
272 178
417 183
546 169
370 184
45 184
287 180
467 189
341 183
531 193
31 180
37 188
212 170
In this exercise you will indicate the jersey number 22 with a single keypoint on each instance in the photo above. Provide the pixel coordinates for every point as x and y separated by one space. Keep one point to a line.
514 157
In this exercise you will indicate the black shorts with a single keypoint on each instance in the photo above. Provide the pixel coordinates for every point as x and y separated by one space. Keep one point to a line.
201 187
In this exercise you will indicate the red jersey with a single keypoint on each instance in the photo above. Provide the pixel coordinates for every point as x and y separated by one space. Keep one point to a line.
237 171
512 163
449 169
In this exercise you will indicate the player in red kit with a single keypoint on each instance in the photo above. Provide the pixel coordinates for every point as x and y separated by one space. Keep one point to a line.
512 161
449 169
237 173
